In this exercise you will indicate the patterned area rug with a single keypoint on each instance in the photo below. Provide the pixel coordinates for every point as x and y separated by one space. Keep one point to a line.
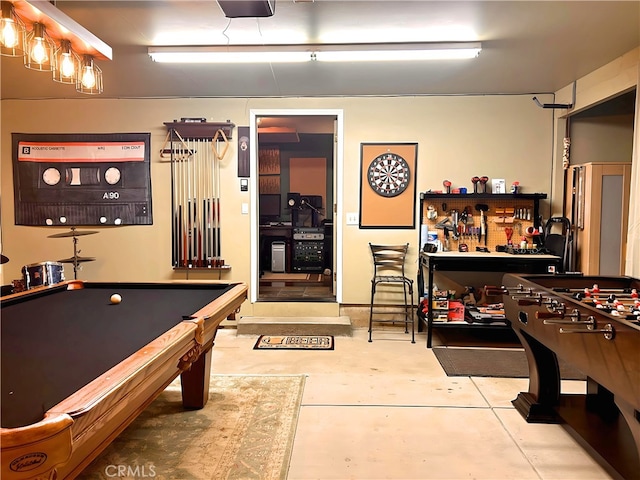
245 431
294 342
492 362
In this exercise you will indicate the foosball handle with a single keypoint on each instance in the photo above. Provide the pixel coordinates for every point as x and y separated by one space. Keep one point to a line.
492 290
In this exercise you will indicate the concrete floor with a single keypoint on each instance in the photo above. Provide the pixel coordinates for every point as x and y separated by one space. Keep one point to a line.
386 410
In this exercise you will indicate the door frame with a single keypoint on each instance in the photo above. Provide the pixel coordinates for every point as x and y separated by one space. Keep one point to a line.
338 163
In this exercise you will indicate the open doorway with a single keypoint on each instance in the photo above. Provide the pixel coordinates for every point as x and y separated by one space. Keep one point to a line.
296 165
598 184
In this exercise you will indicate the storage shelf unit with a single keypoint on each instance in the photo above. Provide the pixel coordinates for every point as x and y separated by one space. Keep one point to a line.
498 219
442 262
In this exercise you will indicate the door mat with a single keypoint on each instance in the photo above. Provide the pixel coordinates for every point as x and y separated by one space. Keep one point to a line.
291 277
294 342
494 362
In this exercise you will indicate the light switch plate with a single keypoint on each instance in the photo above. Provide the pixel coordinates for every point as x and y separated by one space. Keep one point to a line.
352 218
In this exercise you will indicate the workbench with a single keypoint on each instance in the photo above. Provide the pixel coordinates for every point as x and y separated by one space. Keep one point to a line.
474 262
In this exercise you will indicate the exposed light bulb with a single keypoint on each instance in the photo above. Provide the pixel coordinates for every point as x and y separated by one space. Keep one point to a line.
88 77
9 34
39 51
67 66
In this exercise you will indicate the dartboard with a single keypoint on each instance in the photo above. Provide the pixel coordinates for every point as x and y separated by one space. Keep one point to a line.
389 174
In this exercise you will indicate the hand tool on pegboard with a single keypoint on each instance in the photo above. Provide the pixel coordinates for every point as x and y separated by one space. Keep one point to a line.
508 231
482 207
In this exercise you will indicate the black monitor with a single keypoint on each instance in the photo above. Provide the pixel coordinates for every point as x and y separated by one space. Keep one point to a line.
269 208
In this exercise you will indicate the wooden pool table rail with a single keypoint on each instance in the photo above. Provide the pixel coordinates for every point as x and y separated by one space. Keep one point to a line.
76 430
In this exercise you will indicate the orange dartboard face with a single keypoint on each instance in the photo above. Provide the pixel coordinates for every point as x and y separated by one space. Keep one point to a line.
389 175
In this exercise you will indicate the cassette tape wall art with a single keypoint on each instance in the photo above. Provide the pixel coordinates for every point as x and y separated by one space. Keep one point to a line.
82 179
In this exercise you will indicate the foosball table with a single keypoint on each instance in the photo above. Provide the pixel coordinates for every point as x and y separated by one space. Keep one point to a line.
593 324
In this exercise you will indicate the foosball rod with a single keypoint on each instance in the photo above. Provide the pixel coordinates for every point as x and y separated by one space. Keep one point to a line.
626 290
612 302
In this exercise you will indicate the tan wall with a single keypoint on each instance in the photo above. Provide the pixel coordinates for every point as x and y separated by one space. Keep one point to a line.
458 137
602 139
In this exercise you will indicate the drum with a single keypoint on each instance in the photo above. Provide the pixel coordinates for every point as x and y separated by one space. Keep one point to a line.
42 274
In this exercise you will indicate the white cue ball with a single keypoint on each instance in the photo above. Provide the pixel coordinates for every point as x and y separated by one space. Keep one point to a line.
115 298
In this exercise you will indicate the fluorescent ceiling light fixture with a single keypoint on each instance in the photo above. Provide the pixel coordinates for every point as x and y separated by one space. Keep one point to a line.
305 53
408 52
239 54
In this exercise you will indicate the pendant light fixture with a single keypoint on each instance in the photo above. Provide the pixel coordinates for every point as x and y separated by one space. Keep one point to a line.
50 41
12 32
89 78
66 64
39 54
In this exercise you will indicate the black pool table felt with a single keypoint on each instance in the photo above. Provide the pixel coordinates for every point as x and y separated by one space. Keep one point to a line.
56 343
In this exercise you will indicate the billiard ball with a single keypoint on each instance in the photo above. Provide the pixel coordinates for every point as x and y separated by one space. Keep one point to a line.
115 298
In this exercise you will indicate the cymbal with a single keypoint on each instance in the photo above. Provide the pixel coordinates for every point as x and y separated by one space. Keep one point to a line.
73 233
77 259
3 259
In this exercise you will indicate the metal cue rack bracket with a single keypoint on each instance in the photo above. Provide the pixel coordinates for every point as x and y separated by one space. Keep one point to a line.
196 148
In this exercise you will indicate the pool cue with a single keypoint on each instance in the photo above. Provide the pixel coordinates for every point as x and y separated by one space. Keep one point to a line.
211 200
175 158
203 205
203 208
216 180
182 209
177 155
185 212
202 162
190 203
196 166
196 162
207 207
217 196
173 204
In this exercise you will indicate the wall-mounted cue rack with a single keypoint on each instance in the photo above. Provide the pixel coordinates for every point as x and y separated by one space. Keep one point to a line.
196 148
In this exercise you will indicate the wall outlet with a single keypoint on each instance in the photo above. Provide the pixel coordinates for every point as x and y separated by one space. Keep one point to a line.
352 218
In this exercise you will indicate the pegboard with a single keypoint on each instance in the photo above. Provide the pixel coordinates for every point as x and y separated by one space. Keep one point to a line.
518 212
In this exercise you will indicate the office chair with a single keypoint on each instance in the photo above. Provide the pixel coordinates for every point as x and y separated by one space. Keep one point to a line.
388 268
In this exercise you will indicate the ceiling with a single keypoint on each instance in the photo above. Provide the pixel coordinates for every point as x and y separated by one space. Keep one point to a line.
528 47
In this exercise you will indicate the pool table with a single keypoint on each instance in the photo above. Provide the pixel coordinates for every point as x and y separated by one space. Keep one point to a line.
77 369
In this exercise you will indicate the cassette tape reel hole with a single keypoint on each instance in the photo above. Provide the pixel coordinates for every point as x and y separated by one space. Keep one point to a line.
51 176
112 175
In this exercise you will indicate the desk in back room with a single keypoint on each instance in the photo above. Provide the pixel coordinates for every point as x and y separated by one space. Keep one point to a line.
499 262
76 369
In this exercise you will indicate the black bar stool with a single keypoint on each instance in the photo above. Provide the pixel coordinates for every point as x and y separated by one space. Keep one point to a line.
388 268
